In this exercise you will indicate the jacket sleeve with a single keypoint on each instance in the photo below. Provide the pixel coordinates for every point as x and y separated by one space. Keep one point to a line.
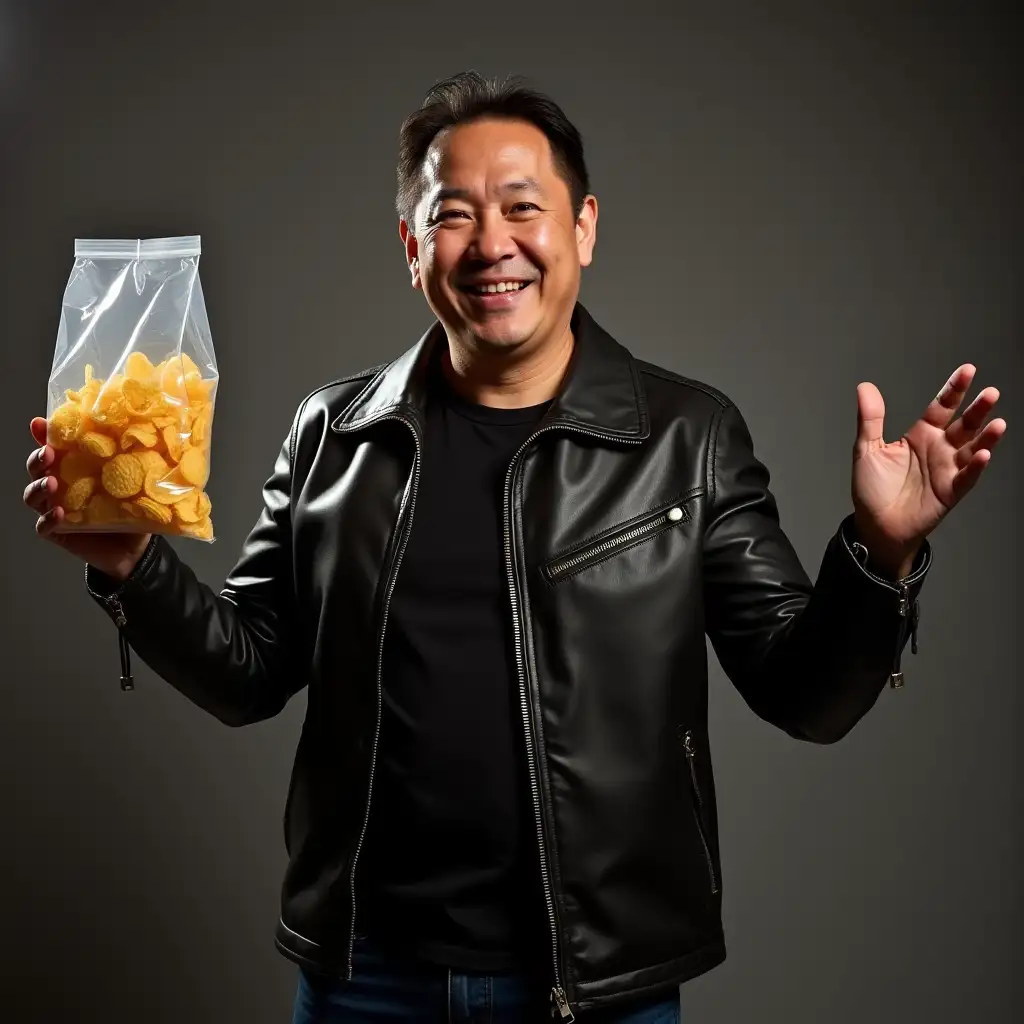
232 653
811 659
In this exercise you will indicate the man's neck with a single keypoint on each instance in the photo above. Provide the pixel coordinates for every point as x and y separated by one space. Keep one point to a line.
509 382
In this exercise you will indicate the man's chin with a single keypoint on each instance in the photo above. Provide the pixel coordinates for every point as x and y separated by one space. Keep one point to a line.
500 334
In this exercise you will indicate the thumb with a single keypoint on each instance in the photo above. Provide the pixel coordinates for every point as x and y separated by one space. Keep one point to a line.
870 418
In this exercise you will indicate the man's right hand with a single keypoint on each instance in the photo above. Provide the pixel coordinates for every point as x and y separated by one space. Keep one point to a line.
116 554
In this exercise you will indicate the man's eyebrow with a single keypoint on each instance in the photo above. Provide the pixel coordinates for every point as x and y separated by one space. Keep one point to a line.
521 185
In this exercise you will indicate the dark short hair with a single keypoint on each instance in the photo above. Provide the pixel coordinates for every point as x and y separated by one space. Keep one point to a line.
469 96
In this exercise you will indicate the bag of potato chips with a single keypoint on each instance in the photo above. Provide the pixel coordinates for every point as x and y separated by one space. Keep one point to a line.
132 388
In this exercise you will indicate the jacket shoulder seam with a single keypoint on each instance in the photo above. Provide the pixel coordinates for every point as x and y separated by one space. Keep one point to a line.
689 382
366 374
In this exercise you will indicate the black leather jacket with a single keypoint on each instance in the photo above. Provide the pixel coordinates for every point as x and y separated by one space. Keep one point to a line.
637 521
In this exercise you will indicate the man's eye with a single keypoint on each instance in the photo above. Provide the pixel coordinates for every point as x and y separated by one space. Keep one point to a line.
450 214
524 206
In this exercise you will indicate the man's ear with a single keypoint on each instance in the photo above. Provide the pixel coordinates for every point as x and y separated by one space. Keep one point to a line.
411 251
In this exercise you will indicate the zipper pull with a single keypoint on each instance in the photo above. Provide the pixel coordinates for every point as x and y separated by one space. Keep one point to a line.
560 1004
688 744
916 618
127 683
896 676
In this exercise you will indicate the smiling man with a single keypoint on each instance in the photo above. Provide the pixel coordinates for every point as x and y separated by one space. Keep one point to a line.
493 562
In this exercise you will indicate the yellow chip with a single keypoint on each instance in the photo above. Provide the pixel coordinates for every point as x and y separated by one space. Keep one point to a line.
79 492
97 444
204 506
173 442
187 510
143 433
203 529
75 464
74 517
194 467
114 414
140 399
165 421
201 425
66 425
199 391
154 510
137 367
168 488
102 508
123 476
151 459
131 508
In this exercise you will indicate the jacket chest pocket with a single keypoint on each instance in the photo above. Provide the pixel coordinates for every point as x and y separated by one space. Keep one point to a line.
622 537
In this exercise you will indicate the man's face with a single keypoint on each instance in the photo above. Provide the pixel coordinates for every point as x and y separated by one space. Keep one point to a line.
495 212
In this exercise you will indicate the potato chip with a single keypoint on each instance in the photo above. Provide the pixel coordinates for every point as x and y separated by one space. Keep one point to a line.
201 425
138 433
97 443
79 492
137 367
123 476
205 506
154 510
187 510
193 467
75 464
66 425
74 517
203 529
173 442
102 508
150 458
140 399
168 488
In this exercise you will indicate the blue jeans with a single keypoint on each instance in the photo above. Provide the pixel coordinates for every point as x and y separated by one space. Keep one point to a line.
386 989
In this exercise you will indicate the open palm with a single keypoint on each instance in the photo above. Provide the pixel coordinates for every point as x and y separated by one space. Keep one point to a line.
905 488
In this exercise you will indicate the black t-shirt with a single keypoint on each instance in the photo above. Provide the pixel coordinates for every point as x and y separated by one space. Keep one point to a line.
449 869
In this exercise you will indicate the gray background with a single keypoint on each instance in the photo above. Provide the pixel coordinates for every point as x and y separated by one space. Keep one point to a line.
791 203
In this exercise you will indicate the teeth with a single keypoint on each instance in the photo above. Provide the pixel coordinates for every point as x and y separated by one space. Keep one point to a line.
501 286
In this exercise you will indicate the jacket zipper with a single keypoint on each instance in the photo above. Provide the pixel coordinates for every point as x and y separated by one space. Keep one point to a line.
909 615
698 808
127 683
594 553
113 602
559 1001
409 502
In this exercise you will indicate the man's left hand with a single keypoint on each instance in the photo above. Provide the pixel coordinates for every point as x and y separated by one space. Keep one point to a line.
904 489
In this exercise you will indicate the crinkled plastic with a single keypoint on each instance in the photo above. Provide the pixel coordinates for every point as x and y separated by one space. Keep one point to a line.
132 390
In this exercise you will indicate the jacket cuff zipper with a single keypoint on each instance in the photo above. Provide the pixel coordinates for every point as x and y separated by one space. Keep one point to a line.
910 614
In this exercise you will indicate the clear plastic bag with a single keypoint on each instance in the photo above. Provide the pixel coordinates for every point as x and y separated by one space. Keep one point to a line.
132 390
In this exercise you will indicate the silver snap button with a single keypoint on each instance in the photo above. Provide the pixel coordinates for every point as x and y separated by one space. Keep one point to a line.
675 514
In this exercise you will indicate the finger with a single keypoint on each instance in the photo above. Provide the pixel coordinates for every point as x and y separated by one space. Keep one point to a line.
966 428
39 461
870 418
38 428
966 479
944 405
49 521
985 441
37 494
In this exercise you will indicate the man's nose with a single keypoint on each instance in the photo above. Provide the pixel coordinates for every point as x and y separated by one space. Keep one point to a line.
493 241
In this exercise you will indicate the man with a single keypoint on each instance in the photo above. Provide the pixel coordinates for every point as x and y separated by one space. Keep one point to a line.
493 562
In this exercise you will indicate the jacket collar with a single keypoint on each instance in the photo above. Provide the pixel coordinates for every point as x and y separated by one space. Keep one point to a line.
601 393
